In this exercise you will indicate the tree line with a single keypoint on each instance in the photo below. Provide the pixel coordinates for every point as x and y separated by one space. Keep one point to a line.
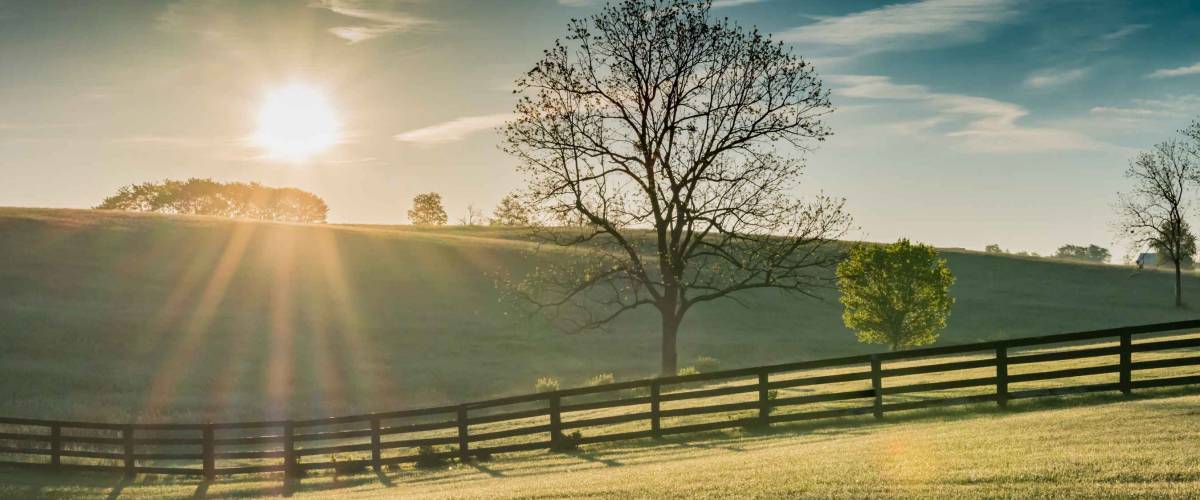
225 199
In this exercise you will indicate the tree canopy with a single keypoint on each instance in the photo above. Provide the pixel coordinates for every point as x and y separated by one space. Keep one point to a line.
674 139
896 294
427 210
225 199
1091 253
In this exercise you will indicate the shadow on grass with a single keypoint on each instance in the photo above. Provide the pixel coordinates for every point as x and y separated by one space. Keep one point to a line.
34 483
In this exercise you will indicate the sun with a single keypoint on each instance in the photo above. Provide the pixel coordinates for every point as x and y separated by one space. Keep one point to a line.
295 123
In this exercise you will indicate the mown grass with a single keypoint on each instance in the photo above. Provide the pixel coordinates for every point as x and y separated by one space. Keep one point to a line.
118 316
1081 447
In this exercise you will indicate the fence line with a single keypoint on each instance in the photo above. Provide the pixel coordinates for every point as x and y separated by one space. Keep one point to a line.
287 443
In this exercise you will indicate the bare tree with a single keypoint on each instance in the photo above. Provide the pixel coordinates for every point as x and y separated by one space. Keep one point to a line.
474 217
1152 213
676 140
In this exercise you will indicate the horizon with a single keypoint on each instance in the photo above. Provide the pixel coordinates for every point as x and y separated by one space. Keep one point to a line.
998 121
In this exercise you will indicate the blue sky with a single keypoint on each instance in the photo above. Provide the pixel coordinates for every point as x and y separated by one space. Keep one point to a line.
959 123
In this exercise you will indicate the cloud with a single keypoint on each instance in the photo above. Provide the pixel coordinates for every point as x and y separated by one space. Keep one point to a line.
1124 31
979 124
453 130
1174 72
1172 107
373 18
929 22
1054 77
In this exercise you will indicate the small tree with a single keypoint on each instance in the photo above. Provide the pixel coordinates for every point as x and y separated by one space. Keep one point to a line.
1151 214
427 210
511 212
474 216
896 294
993 248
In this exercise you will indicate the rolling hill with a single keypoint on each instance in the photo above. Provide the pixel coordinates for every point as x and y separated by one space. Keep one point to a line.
112 316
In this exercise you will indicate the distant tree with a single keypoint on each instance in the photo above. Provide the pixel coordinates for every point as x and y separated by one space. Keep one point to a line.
896 294
427 210
1091 253
474 217
511 212
993 248
229 199
1151 213
668 134
1187 247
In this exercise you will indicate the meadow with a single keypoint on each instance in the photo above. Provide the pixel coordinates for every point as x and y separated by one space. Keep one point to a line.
116 316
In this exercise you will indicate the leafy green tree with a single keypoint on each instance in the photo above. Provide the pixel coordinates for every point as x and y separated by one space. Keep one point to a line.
1091 253
224 199
427 210
896 294
993 248
510 212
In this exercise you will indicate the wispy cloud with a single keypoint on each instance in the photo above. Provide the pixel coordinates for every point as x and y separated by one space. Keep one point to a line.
453 130
373 18
928 22
1174 72
1171 107
1054 77
1124 31
979 124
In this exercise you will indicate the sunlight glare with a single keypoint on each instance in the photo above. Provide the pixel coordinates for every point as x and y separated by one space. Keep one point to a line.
296 122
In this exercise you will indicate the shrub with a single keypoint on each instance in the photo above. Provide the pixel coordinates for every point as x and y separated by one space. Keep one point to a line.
601 379
546 384
566 442
705 364
428 457
687 370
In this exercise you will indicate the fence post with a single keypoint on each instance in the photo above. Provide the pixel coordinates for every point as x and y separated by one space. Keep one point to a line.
55 445
1002 376
290 465
877 385
555 419
1126 364
210 462
464 449
127 439
764 402
376 451
655 419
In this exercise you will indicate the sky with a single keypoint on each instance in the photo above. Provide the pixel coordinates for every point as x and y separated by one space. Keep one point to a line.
959 123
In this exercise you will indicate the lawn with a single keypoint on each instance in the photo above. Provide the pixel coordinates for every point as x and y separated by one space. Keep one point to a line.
116 316
1082 447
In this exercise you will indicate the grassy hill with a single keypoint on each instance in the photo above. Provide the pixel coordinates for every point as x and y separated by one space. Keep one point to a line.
115 315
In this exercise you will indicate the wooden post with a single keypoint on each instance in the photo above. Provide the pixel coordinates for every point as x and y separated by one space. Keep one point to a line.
655 411
1126 364
376 450
1002 376
464 448
555 419
55 445
210 461
764 402
877 384
290 464
127 438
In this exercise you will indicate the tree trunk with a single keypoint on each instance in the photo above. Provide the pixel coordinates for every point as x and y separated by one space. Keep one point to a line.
670 358
1178 285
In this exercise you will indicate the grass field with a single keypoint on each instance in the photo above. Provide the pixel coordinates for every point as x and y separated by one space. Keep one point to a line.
1082 447
113 316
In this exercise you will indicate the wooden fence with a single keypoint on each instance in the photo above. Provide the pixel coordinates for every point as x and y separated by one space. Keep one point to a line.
293 446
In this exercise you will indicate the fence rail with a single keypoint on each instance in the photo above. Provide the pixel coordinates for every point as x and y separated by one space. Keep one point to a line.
293 446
